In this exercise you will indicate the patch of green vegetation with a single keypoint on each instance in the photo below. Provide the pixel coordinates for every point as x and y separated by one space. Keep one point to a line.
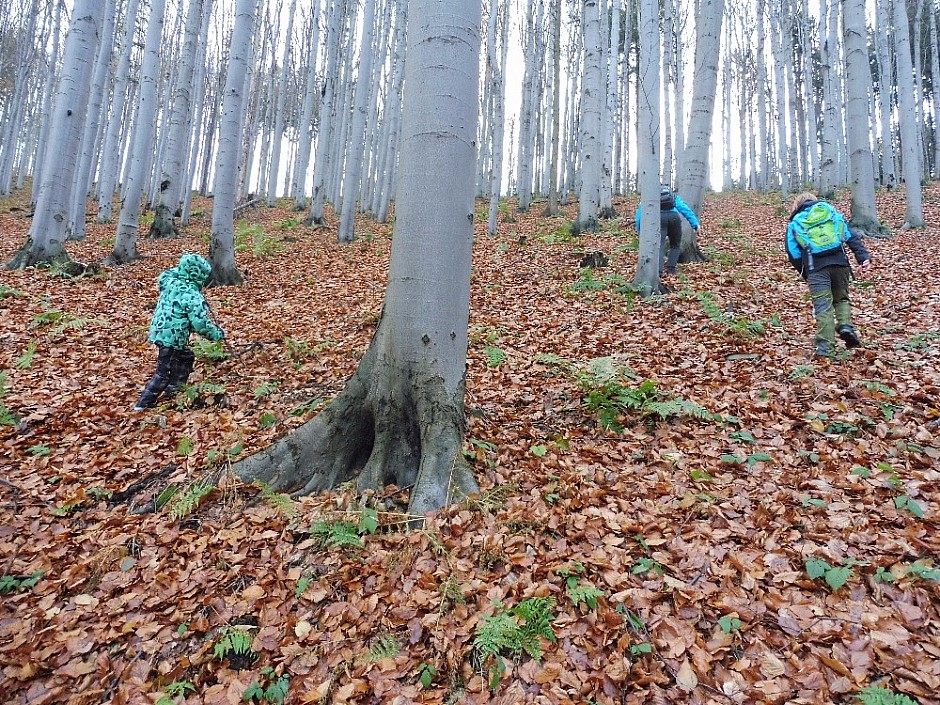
512 632
738 325
17 583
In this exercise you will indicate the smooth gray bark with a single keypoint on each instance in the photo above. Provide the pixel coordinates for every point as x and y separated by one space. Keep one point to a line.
911 166
45 242
592 97
864 219
400 418
228 162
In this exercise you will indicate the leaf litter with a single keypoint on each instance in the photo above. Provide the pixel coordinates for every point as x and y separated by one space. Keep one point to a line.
696 529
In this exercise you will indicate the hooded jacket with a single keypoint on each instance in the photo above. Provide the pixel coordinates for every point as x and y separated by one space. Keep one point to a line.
681 208
181 307
805 262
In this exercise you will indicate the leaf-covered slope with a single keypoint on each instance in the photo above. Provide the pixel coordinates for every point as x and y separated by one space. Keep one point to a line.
699 478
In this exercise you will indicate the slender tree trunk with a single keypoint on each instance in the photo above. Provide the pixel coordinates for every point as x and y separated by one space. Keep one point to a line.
591 110
352 180
935 86
911 166
552 208
280 106
125 242
857 84
762 98
45 242
46 124
227 165
400 418
648 100
305 132
694 176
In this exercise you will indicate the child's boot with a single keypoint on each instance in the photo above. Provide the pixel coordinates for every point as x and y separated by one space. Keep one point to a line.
849 336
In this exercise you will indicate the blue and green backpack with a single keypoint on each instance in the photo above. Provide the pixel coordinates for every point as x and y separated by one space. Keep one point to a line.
820 228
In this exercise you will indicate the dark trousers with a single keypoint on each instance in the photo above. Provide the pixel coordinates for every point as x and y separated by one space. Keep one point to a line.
174 365
670 228
829 290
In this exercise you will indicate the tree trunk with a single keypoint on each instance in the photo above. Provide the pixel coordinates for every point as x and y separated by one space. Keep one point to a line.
45 242
227 166
305 130
125 242
352 178
864 219
172 172
648 97
591 106
911 167
552 208
280 107
694 175
400 418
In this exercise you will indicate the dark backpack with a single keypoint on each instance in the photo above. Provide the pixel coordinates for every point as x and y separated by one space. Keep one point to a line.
667 199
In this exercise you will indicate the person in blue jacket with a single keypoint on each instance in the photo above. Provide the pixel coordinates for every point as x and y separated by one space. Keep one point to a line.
821 261
671 211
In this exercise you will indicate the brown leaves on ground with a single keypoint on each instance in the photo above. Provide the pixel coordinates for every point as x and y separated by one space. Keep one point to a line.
697 534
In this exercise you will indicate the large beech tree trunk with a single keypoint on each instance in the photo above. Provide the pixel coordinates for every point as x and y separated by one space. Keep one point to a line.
400 418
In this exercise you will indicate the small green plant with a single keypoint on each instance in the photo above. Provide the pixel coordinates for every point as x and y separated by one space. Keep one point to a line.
270 688
645 565
835 576
924 570
288 224
801 371
233 640
280 502
245 234
185 446
738 325
6 292
582 594
336 534
919 342
426 674
39 450
174 691
56 321
750 460
191 392
494 356
98 493
17 583
264 245
873 695
538 450
24 361
7 417
641 649
587 282
186 502
307 408
386 646
743 437
267 420
265 389
209 350
907 503
729 623
512 633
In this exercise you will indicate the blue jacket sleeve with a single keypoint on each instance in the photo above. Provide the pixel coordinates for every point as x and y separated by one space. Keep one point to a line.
794 251
639 208
687 212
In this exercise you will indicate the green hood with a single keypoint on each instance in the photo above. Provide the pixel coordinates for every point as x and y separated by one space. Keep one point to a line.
195 269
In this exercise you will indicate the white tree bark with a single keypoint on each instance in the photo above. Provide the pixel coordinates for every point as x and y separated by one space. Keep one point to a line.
935 84
857 86
45 242
352 179
591 108
10 132
227 164
46 119
402 412
648 148
911 166
107 182
305 130
125 242
280 107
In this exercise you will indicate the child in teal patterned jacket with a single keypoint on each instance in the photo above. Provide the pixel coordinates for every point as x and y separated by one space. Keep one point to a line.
181 310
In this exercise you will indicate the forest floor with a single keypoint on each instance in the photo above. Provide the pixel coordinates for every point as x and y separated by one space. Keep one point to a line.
678 504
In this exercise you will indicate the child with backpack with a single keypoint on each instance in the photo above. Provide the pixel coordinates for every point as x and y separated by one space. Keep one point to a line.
181 309
815 241
671 210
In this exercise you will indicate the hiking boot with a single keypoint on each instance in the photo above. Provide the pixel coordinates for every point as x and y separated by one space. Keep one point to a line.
849 336
824 349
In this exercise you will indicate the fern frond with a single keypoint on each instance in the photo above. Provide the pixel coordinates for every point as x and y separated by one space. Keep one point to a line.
233 641
386 646
278 501
331 534
585 593
187 502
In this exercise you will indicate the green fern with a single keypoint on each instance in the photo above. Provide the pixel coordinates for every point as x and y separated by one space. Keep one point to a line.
278 501
233 641
7 417
552 360
58 321
210 350
517 631
882 696
335 534
494 356
185 503
584 593
386 646
26 359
